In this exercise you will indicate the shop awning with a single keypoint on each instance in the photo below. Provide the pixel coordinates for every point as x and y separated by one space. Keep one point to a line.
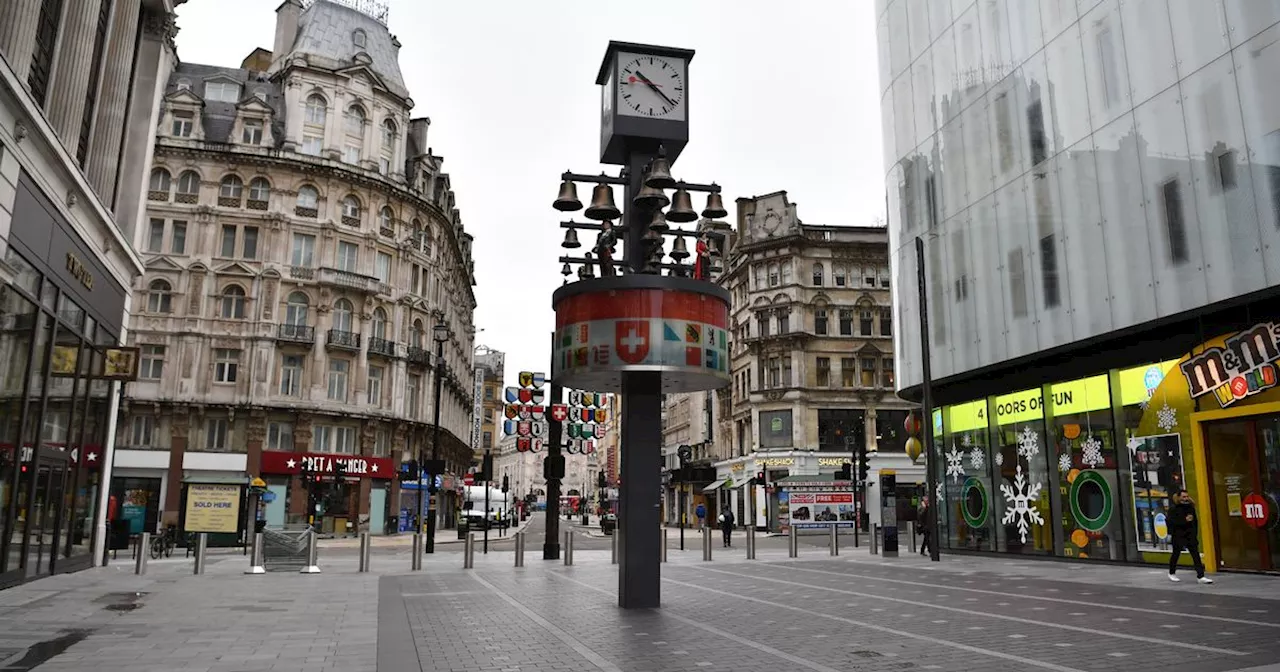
735 483
714 486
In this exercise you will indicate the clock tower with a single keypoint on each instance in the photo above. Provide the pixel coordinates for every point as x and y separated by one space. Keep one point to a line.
644 101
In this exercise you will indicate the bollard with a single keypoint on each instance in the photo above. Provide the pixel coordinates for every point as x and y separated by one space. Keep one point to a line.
875 540
706 544
793 546
364 551
469 551
519 549
835 539
568 548
911 530
751 542
202 544
313 555
613 545
255 559
140 557
416 564
855 534
664 544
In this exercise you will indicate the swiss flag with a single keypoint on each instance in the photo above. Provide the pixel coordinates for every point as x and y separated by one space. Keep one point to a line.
559 412
631 340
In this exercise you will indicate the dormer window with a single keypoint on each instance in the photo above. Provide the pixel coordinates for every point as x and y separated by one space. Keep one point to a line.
252 132
225 92
183 123
184 84
359 39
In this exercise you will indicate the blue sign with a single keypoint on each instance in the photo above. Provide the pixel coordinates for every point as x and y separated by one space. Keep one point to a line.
268 497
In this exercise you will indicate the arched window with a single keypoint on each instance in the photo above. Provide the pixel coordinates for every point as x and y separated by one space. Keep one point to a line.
159 185
817 275
417 335
343 316
355 121
232 307
231 189
386 220
388 135
380 323
308 201
159 297
317 109
295 310
259 190
188 187
351 208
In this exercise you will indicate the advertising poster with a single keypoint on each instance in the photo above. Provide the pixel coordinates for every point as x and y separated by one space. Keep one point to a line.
212 508
818 510
1157 473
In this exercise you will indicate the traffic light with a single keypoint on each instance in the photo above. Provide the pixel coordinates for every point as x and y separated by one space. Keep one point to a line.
601 481
505 484
863 467
845 473
760 478
486 468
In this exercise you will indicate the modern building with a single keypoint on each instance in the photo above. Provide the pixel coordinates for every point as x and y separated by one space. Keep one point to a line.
77 94
1096 189
304 257
812 359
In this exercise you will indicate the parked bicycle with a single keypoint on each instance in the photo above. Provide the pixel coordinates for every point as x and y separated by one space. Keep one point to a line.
165 543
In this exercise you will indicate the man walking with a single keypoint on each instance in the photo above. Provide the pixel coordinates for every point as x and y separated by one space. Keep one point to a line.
1182 528
924 518
726 526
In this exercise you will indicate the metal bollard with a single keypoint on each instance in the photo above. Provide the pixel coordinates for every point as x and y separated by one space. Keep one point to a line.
664 544
793 545
751 542
875 540
469 551
202 544
313 555
364 551
613 547
706 544
416 563
911 531
519 549
856 527
140 556
835 539
255 560
568 548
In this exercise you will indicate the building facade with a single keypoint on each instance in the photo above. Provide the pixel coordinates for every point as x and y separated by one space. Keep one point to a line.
489 370
812 357
1096 186
77 86
301 245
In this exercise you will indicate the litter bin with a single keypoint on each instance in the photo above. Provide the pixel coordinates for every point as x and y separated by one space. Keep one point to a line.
463 525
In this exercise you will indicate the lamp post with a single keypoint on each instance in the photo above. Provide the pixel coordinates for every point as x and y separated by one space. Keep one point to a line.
440 334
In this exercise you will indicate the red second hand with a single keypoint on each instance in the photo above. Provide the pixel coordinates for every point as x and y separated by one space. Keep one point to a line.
633 79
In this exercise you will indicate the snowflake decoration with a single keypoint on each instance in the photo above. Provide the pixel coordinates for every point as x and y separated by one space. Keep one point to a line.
1064 462
1092 452
1028 443
938 492
955 464
1145 404
1167 418
1018 498
976 459
999 459
966 441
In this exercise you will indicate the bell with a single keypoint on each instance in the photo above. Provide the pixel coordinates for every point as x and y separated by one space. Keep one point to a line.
567 201
565 270
571 240
659 222
682 208
649 197
585 272
715 207
602 206
659 176
679 250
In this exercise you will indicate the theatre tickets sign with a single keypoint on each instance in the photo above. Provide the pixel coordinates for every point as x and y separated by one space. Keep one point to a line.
1246 364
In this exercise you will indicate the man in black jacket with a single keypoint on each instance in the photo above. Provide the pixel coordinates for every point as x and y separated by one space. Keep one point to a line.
1182 528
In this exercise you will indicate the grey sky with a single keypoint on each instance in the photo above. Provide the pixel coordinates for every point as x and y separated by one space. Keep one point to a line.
779 99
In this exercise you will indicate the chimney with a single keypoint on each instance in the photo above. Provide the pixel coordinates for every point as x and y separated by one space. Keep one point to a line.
418 136
286 28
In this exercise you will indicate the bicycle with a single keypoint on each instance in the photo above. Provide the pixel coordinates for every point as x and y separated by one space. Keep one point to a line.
164 544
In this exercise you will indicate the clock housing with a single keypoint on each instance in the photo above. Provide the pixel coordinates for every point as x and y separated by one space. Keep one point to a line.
636 116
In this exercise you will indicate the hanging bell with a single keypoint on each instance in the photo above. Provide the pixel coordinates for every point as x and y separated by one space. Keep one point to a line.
649 197
715 207
679 250
567 201
565 270
571 240
602 206
586 272
659 176
659 222
682 208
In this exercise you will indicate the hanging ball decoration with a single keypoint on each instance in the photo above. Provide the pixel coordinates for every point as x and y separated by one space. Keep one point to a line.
914 449
913 425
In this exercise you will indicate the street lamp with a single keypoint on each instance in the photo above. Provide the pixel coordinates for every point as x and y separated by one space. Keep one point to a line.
439 334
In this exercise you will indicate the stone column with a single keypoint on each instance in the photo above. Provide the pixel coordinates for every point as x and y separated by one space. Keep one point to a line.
293 114
71 66
18 19
108 130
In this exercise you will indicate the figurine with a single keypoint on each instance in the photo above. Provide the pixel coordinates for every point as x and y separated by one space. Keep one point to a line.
702 265
604 248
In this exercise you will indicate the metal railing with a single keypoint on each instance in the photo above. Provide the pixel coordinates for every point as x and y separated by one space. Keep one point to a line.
350 280
296 333
338 338
287 549
418 355
381 346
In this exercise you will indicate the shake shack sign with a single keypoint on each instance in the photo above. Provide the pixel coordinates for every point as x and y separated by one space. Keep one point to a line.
1246 364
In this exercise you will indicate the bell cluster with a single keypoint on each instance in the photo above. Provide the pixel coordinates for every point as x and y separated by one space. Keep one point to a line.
678 208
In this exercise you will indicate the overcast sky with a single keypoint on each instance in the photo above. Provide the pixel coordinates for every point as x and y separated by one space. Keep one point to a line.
780 99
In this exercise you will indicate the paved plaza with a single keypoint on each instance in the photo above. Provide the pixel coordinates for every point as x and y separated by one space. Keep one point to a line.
856 611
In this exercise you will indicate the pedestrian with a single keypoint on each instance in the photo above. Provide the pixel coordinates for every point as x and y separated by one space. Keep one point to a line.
701 513
925 518
726 526
1182 528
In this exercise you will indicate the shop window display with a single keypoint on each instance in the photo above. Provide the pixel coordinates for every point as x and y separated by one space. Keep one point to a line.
1021 460
1155 452
966 478
1084 452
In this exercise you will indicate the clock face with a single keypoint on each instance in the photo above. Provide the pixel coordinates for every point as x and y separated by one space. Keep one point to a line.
651 86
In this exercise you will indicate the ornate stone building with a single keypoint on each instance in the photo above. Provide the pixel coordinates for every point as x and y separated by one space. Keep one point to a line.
301 242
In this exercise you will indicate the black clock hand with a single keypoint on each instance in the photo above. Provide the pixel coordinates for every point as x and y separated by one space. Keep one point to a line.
655 88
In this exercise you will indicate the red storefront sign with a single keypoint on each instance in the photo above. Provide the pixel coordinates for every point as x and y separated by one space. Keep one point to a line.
357 466
90 458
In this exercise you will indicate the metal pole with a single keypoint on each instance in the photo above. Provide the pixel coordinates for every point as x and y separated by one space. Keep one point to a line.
793 547
255 563
856 525
313 555
664 543
140 555
568 548
835 540
519 549
682 486
613 543
416 564
202 541
926 402
435 448
487 482
706 543
751 542
555 434
364 551
875 539
911 530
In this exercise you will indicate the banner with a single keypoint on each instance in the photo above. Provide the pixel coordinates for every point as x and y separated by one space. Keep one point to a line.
477 409
817 510
212 508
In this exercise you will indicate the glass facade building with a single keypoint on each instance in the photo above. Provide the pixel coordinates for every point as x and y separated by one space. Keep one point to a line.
1097 188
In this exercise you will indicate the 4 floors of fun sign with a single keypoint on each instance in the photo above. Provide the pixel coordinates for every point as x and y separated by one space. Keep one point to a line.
527 415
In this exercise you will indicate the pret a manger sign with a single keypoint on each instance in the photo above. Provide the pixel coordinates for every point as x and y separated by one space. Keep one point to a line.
1245 365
